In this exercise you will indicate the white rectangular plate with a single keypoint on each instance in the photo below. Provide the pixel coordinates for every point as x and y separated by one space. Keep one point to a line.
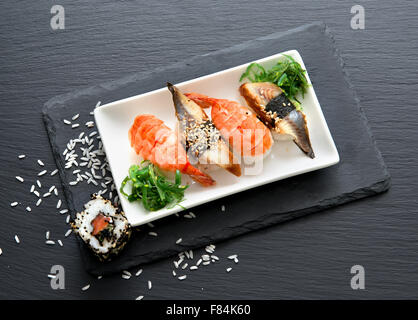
285 160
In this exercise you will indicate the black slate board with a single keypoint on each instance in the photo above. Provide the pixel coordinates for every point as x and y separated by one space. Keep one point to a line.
360 173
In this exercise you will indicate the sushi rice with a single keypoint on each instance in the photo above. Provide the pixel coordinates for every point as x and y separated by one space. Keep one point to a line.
112 238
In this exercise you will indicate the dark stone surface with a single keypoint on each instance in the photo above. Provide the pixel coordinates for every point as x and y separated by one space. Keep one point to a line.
304 258
360 173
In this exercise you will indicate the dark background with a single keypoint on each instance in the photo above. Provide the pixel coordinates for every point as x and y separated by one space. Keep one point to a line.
105 40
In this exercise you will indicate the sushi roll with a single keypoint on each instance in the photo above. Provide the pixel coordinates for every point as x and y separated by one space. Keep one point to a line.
103 228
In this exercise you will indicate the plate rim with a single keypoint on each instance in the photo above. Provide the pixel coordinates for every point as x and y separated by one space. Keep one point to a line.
334 158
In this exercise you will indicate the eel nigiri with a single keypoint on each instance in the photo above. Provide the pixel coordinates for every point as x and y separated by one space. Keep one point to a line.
156 142
278 113
199 136
247 135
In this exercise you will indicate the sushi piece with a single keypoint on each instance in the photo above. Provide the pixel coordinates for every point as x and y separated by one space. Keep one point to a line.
201 139
102 227
246 134
156 142
278 113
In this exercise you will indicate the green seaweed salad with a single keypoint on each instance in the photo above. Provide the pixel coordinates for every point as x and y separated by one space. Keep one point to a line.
287 74
152 188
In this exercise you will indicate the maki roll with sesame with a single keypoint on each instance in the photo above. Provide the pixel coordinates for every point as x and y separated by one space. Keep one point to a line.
102 227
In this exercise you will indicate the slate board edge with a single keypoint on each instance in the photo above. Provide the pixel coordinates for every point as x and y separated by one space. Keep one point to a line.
253 226
362 113
376 188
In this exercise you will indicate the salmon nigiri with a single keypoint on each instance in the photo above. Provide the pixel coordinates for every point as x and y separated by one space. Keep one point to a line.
247 135
154 141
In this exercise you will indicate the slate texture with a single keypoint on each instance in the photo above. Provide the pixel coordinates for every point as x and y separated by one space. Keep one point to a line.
360 173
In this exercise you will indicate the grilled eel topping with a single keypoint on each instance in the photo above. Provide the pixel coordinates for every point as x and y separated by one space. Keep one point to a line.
278 113
200 138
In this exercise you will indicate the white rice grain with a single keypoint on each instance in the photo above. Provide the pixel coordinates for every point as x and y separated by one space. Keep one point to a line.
228 269
53 173
179 240
139 298
17 239
127 273
38 203
149 285
59 204
14 204
75 117
42 173
22 156
182 277
20 179
68 232
50 242
41 163
85 287
138 273
60 243
28 209
154 234
66 121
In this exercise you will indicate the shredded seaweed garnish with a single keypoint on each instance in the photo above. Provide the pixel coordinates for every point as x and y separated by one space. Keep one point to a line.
287 74
152 188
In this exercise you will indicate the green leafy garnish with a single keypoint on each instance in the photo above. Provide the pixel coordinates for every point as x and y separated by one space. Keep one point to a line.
287 74
152 188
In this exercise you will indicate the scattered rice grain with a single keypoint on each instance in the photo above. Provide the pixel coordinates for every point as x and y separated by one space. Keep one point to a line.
42 173
85 287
